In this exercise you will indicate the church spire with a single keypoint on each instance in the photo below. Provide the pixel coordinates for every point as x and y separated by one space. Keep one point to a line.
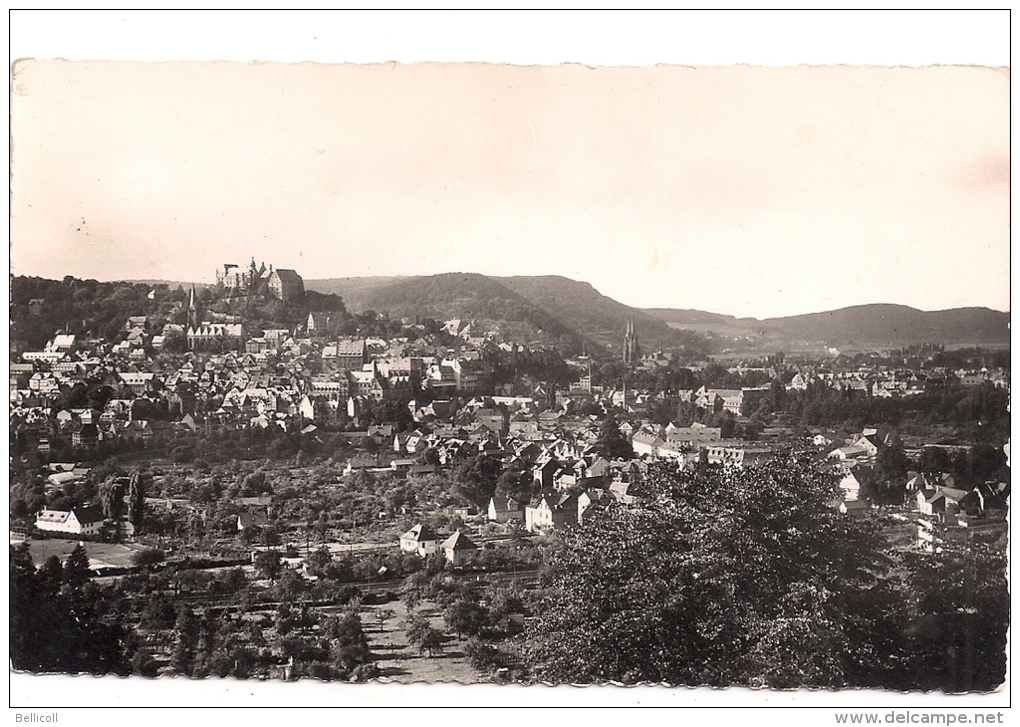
630 344
192 309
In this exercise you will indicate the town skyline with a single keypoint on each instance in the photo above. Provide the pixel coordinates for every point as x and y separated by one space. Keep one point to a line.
822 188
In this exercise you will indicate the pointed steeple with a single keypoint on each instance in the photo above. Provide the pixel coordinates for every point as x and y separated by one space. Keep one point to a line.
192 309
630 343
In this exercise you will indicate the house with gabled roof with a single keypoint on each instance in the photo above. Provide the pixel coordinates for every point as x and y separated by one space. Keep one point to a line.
848 452
544 471
84 435
421 540
850 486
458 548
503 509
645 442
855 508
941 503
285 284
76 521
556 510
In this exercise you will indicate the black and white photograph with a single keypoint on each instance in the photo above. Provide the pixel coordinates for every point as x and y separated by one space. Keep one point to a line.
344 376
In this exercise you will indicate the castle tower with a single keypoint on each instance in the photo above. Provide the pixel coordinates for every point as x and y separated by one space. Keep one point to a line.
631 349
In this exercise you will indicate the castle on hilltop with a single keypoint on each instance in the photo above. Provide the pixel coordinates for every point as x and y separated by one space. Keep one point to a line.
280 283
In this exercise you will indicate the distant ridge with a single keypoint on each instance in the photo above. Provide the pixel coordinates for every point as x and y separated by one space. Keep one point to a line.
874 324
172 284
559 306
546 307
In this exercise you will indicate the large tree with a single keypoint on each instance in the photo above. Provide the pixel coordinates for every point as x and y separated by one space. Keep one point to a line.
268 564
136 500
58 628
76 568
957 611
722 577
475 479
612 443
516 481
111 498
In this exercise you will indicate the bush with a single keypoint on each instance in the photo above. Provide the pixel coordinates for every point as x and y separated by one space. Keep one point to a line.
147 557
483 655
421 634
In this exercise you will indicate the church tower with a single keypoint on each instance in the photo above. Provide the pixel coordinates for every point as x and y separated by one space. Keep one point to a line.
631 350
192 310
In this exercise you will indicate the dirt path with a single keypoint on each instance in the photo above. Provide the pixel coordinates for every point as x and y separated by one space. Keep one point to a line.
400 662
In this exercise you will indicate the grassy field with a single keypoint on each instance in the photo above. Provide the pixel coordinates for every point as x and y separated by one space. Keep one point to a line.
101 555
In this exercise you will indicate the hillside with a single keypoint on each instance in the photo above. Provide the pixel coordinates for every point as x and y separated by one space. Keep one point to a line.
559 306
864 325
547 308
449 295
354 291
891 324
595 316
171 284
690 317
86 307
550 305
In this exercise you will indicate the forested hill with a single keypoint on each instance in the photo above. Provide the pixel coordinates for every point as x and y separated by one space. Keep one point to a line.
96 308
593 315
879 324
86 306
549 306
558 305
899 323
451 295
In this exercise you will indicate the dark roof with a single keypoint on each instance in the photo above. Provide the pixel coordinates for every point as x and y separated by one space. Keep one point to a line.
459 541
503 504
88 515
288 276
420 533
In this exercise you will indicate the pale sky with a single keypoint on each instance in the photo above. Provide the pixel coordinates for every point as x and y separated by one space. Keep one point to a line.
746 191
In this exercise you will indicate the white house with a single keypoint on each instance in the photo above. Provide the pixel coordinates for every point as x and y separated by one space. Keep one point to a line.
458 548
554 511
77 521
851 487
420 539
503 509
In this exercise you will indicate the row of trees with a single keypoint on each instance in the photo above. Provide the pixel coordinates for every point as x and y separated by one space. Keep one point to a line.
941 403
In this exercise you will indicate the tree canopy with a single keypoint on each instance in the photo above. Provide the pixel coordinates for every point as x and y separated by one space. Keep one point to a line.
735 577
